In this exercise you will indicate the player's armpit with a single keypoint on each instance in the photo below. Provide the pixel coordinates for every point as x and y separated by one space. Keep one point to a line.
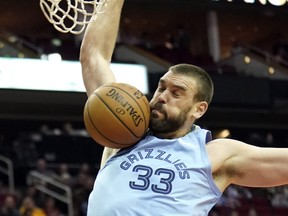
107 153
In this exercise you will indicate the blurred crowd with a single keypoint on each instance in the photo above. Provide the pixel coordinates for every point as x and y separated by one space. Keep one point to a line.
30 201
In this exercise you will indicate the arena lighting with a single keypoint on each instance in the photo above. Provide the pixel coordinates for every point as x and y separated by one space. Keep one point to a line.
37 74
263 2
21 55
222 133
56 57
247 60
271 70
274 2
12 39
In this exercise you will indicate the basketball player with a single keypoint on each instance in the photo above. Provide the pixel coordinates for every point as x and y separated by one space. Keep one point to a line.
176 169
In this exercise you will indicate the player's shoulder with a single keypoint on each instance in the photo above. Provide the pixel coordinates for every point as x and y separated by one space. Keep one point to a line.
225 142
221 153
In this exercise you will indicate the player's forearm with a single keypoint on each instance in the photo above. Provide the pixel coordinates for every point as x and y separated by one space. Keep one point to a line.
98 45
100 36
263 167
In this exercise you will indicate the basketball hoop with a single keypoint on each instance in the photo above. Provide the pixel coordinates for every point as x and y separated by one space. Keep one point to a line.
71 15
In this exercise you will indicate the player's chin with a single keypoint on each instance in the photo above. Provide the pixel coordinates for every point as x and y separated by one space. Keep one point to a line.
155 118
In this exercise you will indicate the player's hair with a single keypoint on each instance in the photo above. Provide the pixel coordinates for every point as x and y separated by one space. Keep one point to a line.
204 82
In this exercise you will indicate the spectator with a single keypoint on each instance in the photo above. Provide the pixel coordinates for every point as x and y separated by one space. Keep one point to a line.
182 38
252 212
81 195
50 207
234 213
230 198
82 186
9 207
64 175
29 208
41 168
85 168
36 195
3 192
144 41
280 197
68 129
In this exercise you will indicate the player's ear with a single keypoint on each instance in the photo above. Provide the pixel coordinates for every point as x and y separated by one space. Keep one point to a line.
199 109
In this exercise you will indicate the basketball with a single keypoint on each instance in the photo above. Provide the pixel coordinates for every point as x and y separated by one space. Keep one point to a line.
117 115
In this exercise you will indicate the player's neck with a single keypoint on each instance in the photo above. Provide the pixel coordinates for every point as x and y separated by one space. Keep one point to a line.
172 135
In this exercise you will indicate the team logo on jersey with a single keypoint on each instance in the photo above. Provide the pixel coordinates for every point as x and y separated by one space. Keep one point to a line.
176 164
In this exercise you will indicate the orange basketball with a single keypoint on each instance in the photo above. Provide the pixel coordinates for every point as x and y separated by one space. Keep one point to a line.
117 115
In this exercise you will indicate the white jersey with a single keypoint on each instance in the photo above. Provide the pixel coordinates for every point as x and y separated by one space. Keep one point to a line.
163 177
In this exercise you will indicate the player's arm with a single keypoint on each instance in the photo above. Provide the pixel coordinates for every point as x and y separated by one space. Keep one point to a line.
98 45
235 162
96 53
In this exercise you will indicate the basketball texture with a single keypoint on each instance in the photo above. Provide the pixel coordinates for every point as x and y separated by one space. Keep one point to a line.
117 115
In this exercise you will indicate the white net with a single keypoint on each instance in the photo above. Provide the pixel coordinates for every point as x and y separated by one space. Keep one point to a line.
71 15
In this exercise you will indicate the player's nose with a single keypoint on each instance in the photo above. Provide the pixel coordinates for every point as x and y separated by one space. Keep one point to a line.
163 97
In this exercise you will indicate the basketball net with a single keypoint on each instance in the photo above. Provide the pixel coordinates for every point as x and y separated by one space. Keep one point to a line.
71 15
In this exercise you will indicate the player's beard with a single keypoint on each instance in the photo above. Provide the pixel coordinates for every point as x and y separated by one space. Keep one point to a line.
167 124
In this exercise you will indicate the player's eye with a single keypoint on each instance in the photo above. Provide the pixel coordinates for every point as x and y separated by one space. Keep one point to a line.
176 94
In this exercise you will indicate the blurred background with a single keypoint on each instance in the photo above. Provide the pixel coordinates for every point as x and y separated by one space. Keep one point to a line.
242 44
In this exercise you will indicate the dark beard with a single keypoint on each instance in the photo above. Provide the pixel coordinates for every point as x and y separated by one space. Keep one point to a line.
167 125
